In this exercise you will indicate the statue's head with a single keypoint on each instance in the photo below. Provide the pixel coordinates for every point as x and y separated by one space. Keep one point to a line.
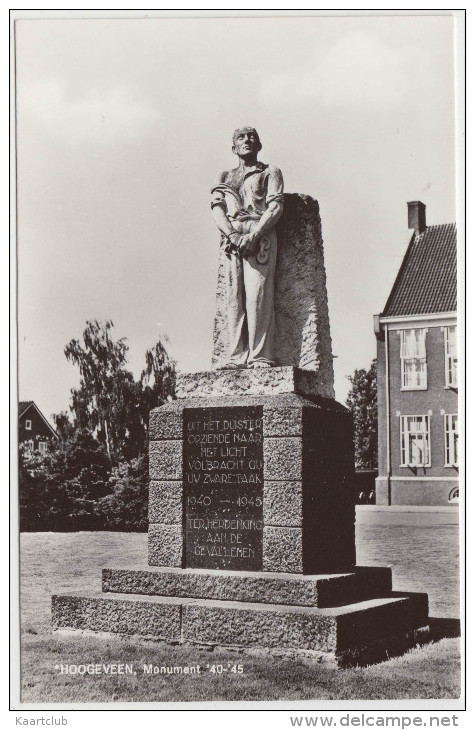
246 142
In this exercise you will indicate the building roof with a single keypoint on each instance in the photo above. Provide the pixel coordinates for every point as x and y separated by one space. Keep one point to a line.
25 405
427 280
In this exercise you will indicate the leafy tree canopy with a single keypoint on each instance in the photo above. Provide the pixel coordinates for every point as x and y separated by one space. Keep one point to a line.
108 402
362 402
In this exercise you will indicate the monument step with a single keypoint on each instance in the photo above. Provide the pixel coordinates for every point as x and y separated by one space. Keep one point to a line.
253 587
265 381
148 616
338 631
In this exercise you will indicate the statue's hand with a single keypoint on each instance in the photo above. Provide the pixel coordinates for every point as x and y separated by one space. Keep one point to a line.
248 244
233 243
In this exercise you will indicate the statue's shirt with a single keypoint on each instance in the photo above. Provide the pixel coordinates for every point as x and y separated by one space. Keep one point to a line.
248 195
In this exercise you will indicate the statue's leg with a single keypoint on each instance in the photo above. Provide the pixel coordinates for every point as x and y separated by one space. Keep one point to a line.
259 285
236 298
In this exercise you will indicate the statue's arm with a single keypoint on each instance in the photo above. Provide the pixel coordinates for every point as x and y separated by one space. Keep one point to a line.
269 219
219 209
275 202
222 220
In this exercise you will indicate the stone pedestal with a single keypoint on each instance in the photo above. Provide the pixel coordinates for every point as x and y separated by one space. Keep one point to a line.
251 538
289 474
251 529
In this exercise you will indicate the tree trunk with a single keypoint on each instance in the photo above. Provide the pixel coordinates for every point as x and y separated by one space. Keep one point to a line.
106 432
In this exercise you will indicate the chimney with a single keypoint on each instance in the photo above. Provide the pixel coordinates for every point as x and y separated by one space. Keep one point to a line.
416 216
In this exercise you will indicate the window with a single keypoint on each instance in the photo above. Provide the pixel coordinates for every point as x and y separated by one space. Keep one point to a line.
415 441
451 360
451 440
413 359
42 447
28 425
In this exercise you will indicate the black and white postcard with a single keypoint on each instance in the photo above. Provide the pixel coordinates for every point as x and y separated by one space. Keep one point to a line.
238 256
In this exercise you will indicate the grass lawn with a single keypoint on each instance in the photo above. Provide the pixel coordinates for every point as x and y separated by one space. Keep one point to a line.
421 547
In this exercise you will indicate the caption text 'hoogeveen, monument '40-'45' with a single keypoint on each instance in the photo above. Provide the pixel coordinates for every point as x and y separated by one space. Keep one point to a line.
251 510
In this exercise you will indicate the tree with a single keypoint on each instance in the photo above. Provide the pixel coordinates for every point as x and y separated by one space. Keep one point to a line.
157 379
103 396
63 426
95 476
33 499
362 402
109 402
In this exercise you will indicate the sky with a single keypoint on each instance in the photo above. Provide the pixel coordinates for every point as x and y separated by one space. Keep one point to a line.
123 125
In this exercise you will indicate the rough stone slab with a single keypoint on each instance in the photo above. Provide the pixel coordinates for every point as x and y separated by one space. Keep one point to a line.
282 550
302 327
279 588
283 504
302 331
261 381
283 413
334 630
283 458
328 492
283 418
165 501
165 545
343 633
243 625
166 422
375 621
147 615
166 460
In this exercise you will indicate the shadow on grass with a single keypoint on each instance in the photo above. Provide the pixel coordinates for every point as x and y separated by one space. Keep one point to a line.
444 628
397 646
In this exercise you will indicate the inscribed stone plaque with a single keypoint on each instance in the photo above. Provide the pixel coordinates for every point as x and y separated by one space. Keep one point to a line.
223 481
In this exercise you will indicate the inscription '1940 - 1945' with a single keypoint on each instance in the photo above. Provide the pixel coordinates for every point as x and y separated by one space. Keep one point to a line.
224 486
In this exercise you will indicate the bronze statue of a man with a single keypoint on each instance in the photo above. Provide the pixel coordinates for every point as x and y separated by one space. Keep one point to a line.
246 203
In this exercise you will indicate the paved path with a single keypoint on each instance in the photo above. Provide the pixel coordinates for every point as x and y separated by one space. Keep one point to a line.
422 546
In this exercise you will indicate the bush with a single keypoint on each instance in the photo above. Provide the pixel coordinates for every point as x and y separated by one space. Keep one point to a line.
126 507
59 490
75 487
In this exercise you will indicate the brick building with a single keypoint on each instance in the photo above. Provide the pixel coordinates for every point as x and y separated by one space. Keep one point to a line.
34 431
417 372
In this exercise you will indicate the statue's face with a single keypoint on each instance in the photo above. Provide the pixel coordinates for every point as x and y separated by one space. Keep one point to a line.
246 142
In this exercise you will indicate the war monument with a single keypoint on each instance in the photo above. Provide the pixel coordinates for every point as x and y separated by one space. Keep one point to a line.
251 539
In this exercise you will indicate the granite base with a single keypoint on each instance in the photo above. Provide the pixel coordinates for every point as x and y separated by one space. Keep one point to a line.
339 632
276 588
